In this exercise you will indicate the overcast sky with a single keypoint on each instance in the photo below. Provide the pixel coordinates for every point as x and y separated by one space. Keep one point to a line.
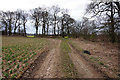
76 7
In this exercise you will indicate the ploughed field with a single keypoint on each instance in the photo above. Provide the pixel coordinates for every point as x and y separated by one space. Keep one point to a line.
57 58
18 53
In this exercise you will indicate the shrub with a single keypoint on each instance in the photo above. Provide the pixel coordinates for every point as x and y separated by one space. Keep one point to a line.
20 59
10 71
14 63
101 63
18 66
66 37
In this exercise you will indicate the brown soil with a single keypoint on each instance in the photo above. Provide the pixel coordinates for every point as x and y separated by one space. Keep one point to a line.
105 52
47 64
84 69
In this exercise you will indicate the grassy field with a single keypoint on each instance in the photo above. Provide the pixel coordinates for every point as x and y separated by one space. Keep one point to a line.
17 54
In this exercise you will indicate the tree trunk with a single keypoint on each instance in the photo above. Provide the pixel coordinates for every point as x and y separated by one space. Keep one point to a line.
112 33
24 29
43 30
62 29
47 28
19 29
58 31
54 28
36 30
6 29
55 25
68 32
10 27
15 28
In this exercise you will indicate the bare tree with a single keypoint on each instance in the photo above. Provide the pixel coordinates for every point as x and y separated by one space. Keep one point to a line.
36 16
44 21
17 16
110 12
58 25
55 10
63 12
24 16
9 16
4 21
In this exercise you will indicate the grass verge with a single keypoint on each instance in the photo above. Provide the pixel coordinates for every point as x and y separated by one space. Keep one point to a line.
67 65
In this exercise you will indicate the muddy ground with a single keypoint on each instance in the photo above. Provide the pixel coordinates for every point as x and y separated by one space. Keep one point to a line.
48 63
103 55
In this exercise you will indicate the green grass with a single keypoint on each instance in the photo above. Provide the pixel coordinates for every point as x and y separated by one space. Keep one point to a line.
11 72
17 51
97 60
30 36
66 37
94 59
74 45
67 65
18 66
101 63
65 47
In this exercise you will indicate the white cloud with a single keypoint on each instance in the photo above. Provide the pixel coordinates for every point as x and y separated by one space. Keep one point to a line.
76 7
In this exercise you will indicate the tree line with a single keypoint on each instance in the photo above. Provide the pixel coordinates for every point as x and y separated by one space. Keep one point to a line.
101 19
107 16
57 18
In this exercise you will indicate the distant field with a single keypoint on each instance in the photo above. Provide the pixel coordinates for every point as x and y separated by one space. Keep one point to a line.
31 36
18 52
